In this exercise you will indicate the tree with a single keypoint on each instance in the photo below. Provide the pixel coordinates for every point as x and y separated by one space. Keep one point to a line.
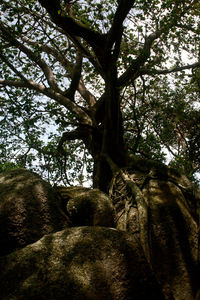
114 76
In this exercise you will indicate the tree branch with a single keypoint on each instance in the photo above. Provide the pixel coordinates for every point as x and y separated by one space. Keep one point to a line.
134 70
168 71
123 9
51 51
81 115
3 58
75 75
14 83
86 94
116 29
80 133
60 57
71 26
68 136
32 56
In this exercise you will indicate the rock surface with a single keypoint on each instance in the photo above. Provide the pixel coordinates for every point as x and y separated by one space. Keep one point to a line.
87 207
29 209
153 253
90 263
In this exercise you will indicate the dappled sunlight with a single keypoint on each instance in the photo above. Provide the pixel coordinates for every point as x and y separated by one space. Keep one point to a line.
157 204
80 263
102 93
28 209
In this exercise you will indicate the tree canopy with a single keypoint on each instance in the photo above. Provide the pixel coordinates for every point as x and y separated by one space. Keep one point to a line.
84 80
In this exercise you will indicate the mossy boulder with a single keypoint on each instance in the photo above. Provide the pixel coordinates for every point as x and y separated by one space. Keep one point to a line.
29 209
80 263
87 207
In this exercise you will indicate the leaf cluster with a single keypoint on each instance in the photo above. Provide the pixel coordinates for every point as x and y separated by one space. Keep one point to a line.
51 81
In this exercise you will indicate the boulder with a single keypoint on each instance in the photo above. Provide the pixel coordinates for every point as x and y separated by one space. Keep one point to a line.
29 209
87 207
80 263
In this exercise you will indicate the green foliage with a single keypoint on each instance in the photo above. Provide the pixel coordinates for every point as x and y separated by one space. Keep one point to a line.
160 108
6 166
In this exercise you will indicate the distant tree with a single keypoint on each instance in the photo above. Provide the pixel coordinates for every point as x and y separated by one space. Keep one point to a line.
105 78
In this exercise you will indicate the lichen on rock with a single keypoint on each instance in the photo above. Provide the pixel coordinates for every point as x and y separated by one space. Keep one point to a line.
79 263
29 209
87 207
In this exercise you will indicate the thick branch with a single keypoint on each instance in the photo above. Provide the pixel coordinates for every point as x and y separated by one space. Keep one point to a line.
90 99
74 39
58 54
86 94
75 75
14 83
123 9
71 26
134 68
68 136
80 133
99 108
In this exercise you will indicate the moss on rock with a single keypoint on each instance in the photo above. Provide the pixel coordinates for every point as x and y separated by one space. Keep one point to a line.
29 209
79 263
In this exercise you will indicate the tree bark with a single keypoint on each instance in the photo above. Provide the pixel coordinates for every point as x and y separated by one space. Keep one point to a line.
112 142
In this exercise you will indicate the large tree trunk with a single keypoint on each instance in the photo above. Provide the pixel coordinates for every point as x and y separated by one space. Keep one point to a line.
112 143
104 138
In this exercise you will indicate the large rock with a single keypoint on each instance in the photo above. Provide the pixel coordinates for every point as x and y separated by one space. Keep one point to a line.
159 206
29 209
80 263
87 207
